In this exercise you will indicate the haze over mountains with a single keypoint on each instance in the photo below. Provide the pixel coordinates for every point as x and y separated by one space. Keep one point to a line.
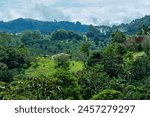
19 25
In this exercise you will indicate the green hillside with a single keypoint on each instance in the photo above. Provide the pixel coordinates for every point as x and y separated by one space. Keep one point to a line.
65 65
46 67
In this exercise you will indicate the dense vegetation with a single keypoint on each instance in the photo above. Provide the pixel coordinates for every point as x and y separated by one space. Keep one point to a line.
67 65
19 25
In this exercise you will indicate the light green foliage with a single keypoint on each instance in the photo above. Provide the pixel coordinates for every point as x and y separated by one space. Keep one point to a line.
76 66
138 55
46 67
41 67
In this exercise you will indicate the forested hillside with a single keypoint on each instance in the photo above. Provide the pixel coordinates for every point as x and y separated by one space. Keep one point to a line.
45 27
19 25
100 64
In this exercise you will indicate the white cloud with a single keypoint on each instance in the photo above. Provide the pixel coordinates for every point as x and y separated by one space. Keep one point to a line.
89 11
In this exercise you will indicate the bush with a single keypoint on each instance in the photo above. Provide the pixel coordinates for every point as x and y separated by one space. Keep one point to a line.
108 94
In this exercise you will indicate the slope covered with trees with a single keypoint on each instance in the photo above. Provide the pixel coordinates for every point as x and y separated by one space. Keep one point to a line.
19 25
63 64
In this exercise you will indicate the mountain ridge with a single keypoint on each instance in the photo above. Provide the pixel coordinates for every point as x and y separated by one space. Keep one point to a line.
21 24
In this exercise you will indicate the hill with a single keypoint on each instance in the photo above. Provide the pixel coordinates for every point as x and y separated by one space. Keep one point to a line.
134 26
47 67
19 25
130 28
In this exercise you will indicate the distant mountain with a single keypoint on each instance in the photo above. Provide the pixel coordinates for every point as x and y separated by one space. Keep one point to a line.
19 25
134 26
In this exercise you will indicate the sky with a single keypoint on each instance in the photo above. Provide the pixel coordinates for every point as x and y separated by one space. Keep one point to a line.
96 12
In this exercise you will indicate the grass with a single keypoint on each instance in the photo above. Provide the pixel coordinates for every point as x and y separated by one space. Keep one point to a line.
46 67
43 67
76 66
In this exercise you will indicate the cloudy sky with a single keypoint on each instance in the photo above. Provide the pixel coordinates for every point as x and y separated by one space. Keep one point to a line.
86 11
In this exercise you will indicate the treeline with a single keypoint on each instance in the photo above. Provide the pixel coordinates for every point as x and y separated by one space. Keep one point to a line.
20 24
117 67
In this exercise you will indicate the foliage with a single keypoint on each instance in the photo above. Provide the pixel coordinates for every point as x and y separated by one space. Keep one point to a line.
108 95
45 66
67 65
118 37
92 80
19 25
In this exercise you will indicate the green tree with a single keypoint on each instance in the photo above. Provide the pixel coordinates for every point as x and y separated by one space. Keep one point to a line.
27 37
113 59
85 49
95 58
30 88
37 35
5 39
62 60
132 92
108 95
5 73
114 49
144 30
60 35
92 80
68 85
118 37
140 68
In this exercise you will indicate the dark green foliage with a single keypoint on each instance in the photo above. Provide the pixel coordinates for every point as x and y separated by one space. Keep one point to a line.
61 85
134 93
113 59
114 49
118 37
146 45
113 65
5 73
30 88
140 68
59 41
65 35
108 95
14 58
67 84
116 70
37 35
60 35
19 25
95 58
12 61
92 80
85 48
